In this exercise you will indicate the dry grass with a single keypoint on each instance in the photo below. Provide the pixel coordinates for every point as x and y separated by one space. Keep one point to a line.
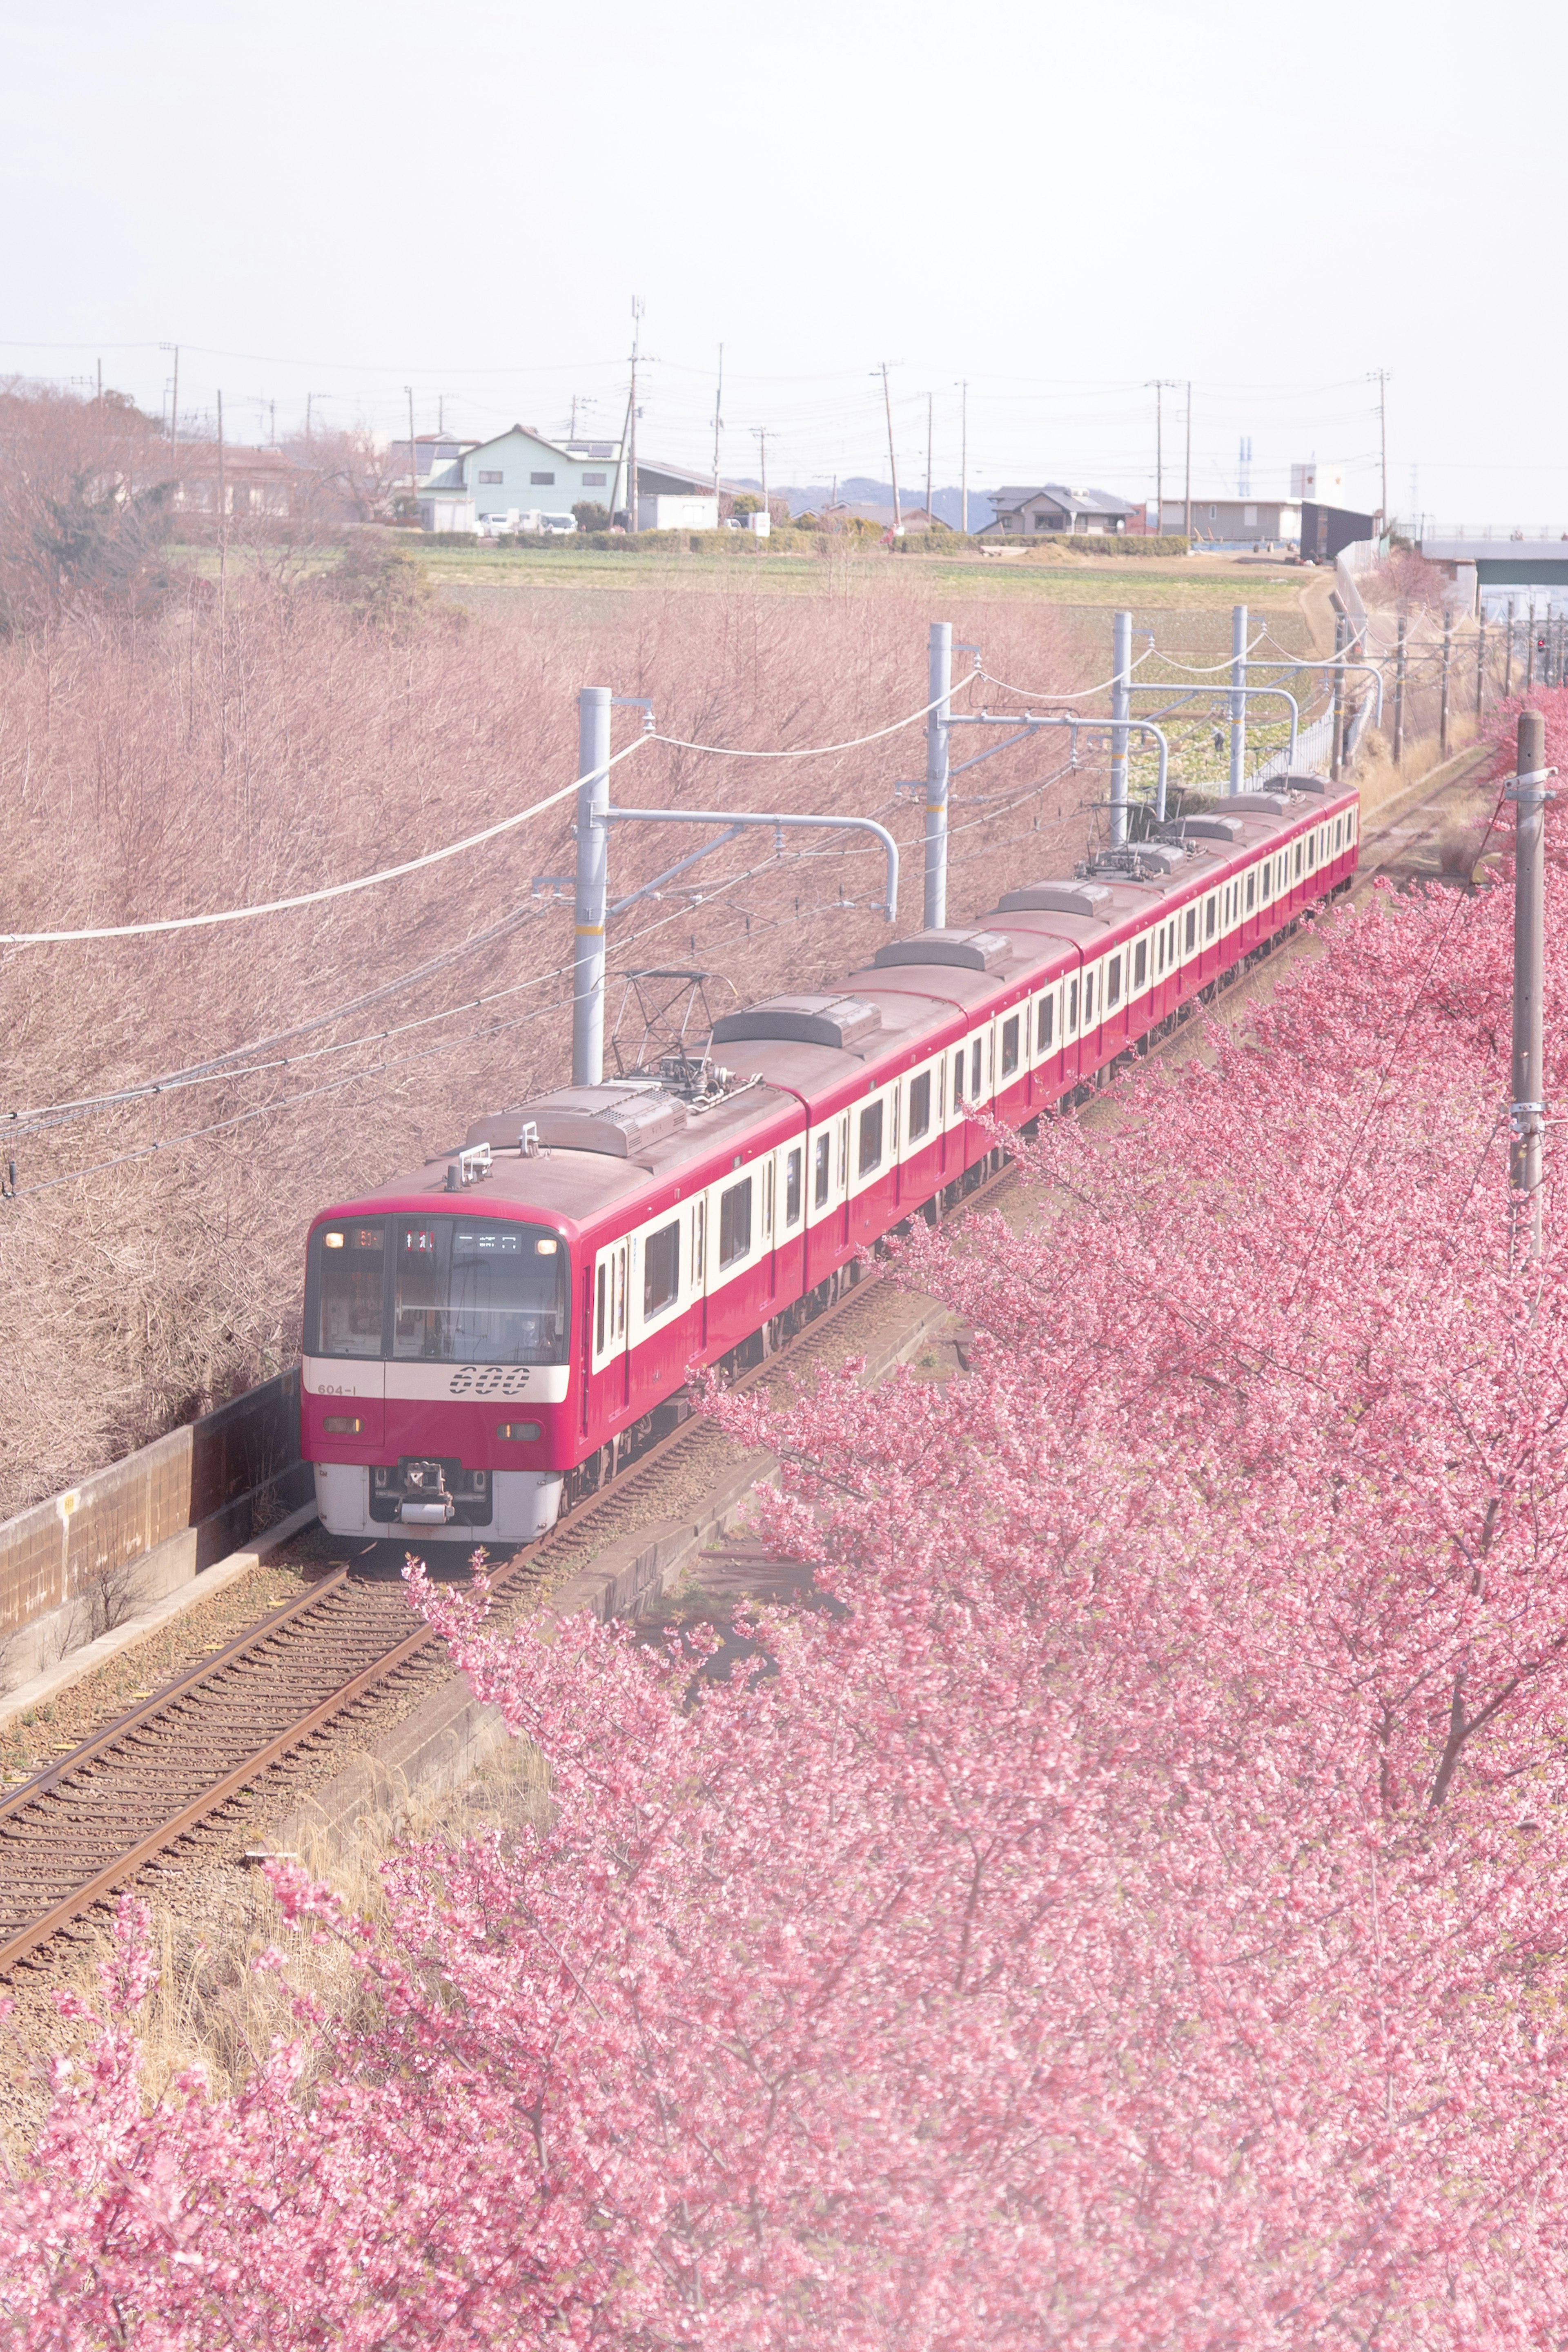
241 748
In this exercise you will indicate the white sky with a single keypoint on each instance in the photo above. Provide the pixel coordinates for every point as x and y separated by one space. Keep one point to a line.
1057 203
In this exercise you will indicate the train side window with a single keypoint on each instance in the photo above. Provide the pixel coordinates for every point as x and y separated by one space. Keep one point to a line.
734 1222
976 1068
792 1187
1140 964
1268 878
1311 851
1192 929
1071 1026
621 1292
1339 832
1251 892
1113 983
822 1171
919 1106
843 1151
1209 917
1089 999
1297 861
699 1244
958 1078
870 1138
602 1310
1160 951
1046 1025
661 1270
768 1175
1009 1046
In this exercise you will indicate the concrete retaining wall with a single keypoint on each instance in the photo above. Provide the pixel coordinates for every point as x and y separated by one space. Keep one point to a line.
75 1566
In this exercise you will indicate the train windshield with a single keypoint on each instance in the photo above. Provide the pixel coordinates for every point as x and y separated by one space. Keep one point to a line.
438 1289
478 1292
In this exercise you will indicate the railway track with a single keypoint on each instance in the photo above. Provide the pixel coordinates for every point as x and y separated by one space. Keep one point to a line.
185 1758
188 1756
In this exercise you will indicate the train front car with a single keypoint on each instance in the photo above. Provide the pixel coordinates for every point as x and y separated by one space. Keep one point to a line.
436 1362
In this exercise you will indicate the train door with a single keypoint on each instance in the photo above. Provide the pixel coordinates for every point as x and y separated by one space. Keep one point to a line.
770 1233
609 1361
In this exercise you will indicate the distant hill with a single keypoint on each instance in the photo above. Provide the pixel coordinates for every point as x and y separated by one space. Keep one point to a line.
861 489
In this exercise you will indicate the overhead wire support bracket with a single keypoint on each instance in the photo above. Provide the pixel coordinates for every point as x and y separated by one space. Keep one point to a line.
738 820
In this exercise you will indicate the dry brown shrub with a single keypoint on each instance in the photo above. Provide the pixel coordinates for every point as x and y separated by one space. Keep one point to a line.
243 749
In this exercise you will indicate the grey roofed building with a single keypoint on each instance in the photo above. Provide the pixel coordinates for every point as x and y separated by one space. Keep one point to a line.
1054 506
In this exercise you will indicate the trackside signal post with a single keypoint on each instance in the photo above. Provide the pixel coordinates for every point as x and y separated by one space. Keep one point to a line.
1527 1111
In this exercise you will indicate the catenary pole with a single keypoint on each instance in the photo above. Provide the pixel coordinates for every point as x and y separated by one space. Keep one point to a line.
1399 661
939 685
1238 695
1508 655
928 408
1447 660
1337 759
1120 711
1527 1111
1189 489
592 872
963 457
1480 659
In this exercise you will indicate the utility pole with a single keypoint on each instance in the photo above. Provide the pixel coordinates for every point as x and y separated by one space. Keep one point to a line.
101 383
1158 455
1527 1111
939 686
1238 697
1443 712
272 424
413 456
928 468
1379 377
1508 655
964 457
173 398
718 419
593 877
634 519
893 459
308 397
1121 712
761 433
1399 692
1530 650
1189 494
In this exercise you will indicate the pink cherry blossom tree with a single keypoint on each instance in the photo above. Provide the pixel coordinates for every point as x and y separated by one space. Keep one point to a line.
1132 1914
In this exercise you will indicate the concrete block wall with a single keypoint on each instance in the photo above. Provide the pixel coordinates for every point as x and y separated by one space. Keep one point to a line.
132 1532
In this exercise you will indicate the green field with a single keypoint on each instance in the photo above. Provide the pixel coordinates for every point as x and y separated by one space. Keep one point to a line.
1156 582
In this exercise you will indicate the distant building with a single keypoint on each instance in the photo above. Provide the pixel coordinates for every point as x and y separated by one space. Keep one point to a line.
517 472
1236 522
1055 508
241 481
1326 529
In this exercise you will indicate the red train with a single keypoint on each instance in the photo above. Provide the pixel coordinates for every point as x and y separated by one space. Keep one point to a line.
494 1330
